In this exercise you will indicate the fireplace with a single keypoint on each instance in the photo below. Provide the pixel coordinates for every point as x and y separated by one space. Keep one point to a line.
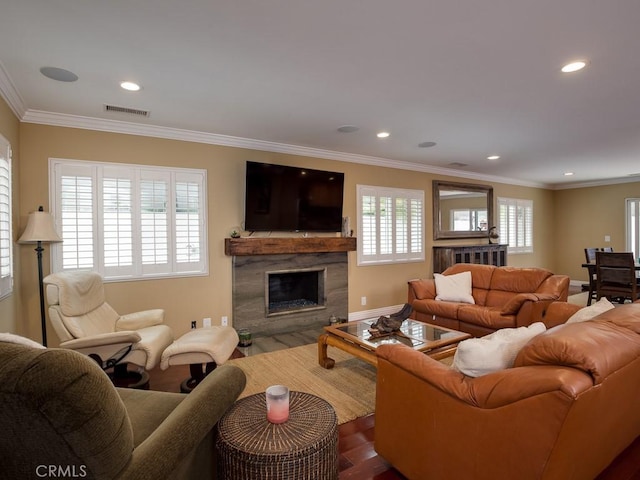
289 291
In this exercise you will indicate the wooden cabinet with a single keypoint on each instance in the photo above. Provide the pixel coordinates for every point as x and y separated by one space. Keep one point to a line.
489 254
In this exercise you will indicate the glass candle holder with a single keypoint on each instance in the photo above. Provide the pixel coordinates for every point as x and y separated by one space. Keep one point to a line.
277 403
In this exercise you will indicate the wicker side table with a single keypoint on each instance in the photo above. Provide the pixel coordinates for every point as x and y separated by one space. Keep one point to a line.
304 447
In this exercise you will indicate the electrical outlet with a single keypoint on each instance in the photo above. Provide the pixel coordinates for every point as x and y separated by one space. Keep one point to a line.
363 301
206 322
193 324
224 321
607 238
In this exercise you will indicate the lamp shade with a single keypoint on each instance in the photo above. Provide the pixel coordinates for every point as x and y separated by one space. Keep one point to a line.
40 229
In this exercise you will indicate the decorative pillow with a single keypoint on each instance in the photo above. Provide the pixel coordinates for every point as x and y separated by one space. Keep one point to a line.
496 351
454 288
591 311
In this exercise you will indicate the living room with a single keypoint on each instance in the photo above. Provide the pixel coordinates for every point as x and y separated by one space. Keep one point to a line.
560 227
567 217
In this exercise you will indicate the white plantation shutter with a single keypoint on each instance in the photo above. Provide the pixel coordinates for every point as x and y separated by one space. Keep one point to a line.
74 215
385 217
402 225
368 225
515 224
129 221
415 230
6 235
189 228
117 221
155 201
391 225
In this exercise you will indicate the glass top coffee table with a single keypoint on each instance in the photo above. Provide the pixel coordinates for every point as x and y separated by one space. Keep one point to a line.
354 338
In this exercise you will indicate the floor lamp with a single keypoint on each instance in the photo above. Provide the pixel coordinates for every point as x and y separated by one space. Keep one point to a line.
40 230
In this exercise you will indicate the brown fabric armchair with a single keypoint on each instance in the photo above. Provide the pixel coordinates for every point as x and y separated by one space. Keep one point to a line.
61 414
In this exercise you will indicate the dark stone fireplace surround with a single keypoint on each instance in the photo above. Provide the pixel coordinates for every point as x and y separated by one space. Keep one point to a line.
254 258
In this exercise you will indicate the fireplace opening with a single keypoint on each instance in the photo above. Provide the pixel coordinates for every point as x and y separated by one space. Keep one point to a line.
289 291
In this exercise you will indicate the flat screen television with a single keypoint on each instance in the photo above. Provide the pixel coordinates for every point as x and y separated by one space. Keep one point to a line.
283 198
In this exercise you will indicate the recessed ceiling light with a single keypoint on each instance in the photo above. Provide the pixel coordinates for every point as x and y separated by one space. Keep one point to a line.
132 87
427 144
382 134
59 74
568 174
493 157
574 66
348 129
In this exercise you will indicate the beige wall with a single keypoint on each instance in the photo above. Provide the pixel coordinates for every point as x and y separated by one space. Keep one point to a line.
585 216
188 299
10 306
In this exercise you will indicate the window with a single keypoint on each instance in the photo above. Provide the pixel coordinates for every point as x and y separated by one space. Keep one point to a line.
390 225
129 221
515 224
633 226
6 233
469 219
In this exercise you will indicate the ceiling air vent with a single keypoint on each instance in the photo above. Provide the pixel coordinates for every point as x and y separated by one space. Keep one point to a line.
458 164
128 111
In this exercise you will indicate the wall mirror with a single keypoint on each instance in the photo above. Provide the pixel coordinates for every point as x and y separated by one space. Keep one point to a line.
461 210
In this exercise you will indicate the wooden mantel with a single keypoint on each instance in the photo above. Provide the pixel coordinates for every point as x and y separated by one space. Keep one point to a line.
274 246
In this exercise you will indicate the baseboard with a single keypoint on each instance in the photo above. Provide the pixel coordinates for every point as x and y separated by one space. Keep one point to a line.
374 313
577 283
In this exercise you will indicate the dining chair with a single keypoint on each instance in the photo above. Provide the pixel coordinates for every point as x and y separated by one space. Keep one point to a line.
590 257
616 276
590 254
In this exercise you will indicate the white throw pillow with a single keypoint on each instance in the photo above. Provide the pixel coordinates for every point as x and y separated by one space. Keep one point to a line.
454 288
591 311
496 351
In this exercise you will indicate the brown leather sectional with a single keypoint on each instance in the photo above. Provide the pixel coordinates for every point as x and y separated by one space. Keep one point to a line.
567 408
505 297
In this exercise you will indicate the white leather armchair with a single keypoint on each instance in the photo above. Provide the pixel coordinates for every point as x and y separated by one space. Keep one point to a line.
85 322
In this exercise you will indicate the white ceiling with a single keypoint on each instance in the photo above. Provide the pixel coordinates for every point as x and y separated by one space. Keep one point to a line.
477 77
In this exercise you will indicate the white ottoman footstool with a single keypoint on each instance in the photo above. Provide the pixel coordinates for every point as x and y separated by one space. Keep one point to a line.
203 349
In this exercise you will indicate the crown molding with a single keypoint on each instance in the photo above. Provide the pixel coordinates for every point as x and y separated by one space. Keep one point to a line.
10 94
597 183
130 128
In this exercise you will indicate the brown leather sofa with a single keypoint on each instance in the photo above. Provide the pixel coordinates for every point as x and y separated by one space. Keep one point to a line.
566 409
505 297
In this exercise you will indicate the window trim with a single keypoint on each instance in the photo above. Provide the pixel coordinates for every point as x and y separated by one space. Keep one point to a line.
632 224
517 202
6 282
136 173
394 257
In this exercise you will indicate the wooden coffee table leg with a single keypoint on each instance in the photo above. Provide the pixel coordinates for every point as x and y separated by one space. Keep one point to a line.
323 359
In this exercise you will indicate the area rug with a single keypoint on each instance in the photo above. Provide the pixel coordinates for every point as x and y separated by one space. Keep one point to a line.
350 386
579 299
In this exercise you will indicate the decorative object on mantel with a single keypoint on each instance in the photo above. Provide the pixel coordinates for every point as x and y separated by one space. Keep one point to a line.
494 237
390 324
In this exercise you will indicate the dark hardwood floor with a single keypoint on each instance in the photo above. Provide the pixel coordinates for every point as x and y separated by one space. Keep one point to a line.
359 461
